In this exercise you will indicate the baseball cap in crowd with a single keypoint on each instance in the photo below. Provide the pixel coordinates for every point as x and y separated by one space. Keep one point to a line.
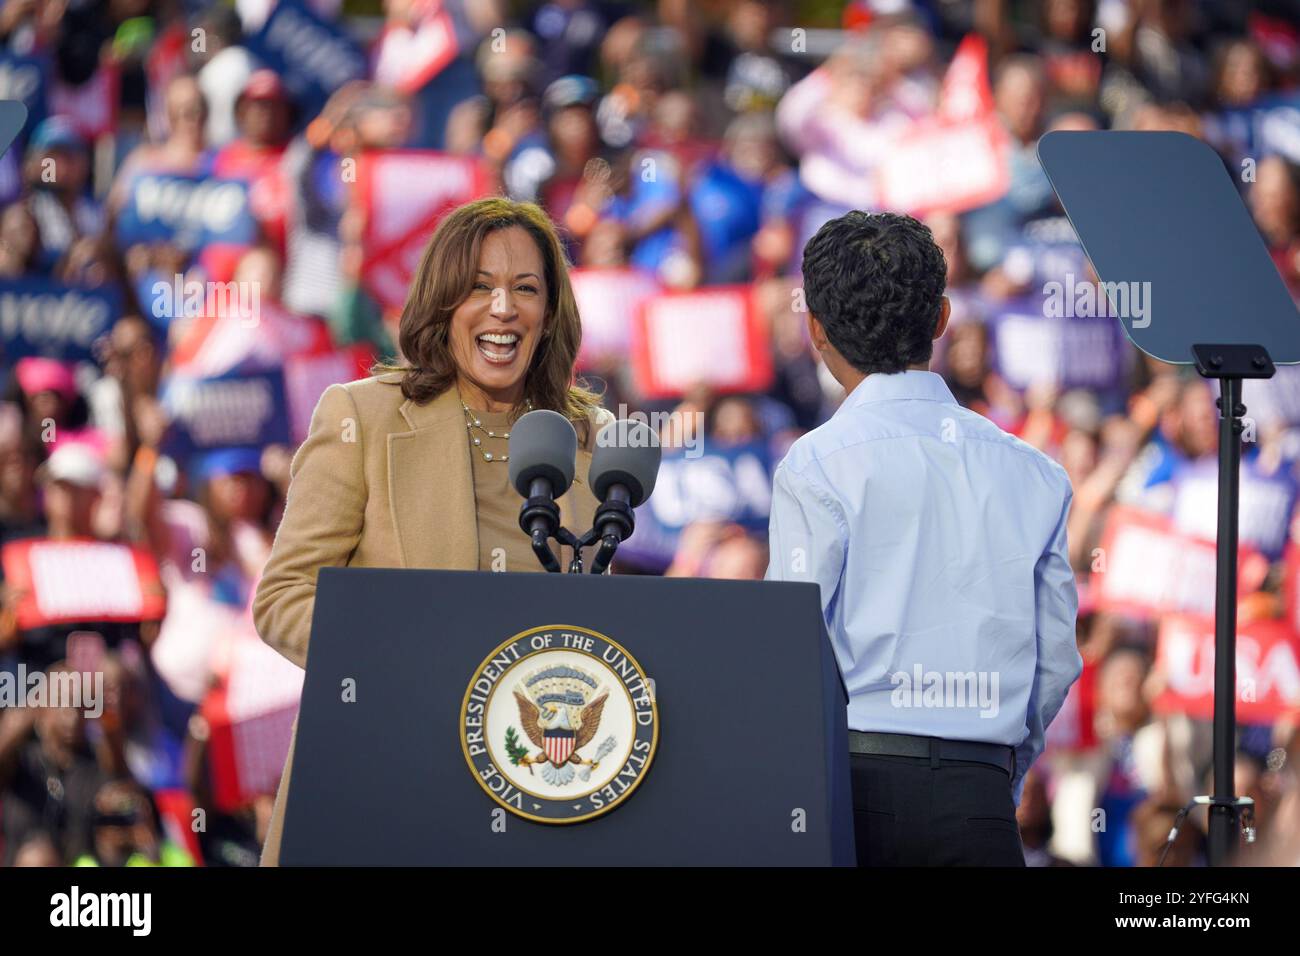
227 461
56 132
76 463
36 375
263 85
571 90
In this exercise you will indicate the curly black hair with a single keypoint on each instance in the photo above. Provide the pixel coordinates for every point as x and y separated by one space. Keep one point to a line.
875 281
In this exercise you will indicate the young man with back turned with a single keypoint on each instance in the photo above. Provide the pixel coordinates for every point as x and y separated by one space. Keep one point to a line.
938 542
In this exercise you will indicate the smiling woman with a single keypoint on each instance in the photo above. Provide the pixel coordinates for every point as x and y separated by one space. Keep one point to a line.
408 468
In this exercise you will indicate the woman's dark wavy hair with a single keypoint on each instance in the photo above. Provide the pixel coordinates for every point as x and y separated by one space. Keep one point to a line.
445 278
875 281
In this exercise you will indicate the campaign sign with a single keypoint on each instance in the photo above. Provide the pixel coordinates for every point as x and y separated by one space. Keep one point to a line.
240 332
1268 669
306 376
402 195
1265 509
1048 250
1071 352
711 336
1274 402
13 116
72 580
959 159
22 80
313 56
92 107
238 409
1075 725
408 58
608 300
192 211
54 320
949 167
731 484
250 711
1270 125
1146 568
1291 585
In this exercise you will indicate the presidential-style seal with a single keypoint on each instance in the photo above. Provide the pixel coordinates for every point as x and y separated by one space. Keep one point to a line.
559 724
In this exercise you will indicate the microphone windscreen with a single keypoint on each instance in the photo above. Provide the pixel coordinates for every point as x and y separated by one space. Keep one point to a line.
627 453
543 444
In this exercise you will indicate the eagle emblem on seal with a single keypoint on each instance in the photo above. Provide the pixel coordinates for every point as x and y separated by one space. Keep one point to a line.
559 709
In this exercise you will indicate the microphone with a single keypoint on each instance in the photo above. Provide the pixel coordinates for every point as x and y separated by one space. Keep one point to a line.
543 446
622 475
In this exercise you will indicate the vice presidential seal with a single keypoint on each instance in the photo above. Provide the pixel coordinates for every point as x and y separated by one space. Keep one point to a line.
559 724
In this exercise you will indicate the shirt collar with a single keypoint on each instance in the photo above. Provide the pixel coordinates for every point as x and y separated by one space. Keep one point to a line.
908 385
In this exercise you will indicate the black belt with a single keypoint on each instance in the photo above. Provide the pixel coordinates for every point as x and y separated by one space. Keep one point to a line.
905 745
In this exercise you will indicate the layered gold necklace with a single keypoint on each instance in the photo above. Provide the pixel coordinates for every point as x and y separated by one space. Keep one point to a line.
472 422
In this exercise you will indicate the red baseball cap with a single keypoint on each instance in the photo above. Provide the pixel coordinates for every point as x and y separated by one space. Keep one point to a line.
263 85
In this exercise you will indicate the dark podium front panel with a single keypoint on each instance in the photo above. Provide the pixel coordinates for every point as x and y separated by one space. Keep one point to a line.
750 762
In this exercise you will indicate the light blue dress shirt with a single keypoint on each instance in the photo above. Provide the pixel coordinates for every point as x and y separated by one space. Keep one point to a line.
938 541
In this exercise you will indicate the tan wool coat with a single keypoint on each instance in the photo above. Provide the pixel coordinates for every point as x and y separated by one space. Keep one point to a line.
379 482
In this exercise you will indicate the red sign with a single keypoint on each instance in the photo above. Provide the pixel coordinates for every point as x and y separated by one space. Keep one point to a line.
1145 568
958 160
1268 669
966 93
711 336
176 816
92 107
81 579
945 168
1074 726
222 339
307 376
250 713
608 300
403 193
409 57
1291 585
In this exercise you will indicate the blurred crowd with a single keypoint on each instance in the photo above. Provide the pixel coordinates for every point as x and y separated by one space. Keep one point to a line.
758 122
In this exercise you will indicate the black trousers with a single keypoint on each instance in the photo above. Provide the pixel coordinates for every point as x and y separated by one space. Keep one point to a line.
908 812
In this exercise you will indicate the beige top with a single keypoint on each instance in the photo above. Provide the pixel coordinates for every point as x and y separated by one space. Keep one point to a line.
502 544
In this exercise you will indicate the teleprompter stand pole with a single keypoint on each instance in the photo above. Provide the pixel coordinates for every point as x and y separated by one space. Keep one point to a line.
1230 364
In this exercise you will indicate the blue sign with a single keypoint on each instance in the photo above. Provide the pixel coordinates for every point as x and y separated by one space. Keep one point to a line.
13 116
238 409
1270 125
54 320
1267 501
1070 351
23 79
730 484
1047 250
313 56
191 211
